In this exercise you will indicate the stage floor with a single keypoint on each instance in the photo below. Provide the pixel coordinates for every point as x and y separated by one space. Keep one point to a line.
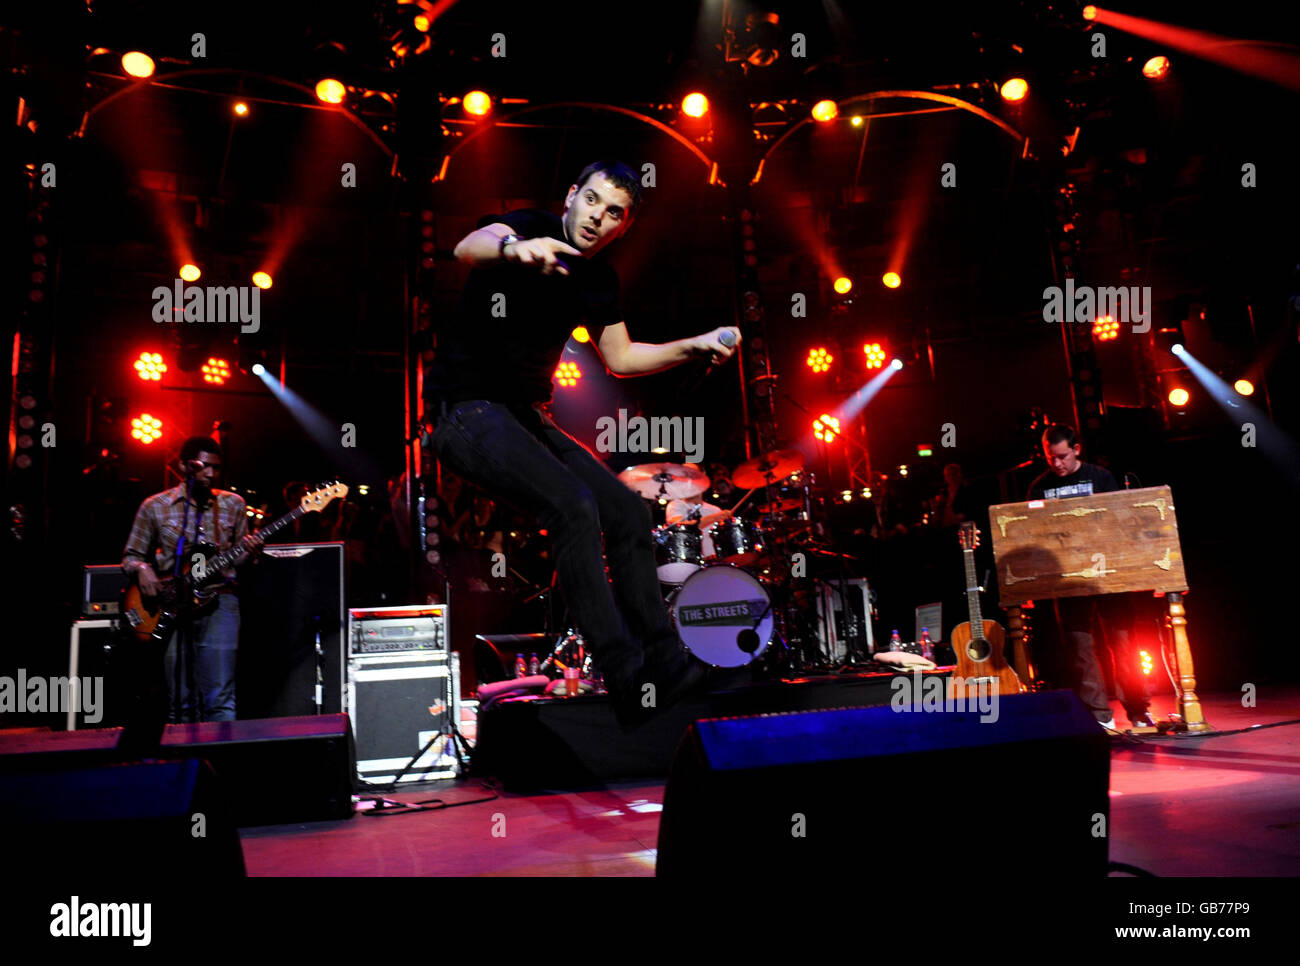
1223 805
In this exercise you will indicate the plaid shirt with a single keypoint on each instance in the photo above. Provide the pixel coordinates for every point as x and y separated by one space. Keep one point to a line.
157 528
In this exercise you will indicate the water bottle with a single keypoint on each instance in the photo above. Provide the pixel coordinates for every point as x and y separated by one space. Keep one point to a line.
521 668
927 646
895 642
534 665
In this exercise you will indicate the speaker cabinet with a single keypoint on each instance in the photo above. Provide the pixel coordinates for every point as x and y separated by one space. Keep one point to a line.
165 821
277 770
884 795
292 592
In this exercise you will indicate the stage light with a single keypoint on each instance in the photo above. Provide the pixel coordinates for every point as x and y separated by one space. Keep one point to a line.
137 64
902 470
216 371
1244 386
1148 663
477 103
1015 89
819 360
896 364
875 354
1105 329
1179 397
695 104
1156 67
261 280
826 427
844 285
330 91
1176 348
150 366
923 450
1089 12
241 108
190 272
146 428
846 496
421 23
891 280
580 334
857 120
258 369
567 374
825 111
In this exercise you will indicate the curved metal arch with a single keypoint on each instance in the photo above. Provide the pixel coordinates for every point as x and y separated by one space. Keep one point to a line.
136 86
588 105
948 99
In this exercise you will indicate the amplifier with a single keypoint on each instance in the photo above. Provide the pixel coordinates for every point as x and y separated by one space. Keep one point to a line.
396 703
844 615
101 589
387 630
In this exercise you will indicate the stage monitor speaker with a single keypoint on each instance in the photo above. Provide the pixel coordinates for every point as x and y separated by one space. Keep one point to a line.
885 795
276 770
286 597
161 821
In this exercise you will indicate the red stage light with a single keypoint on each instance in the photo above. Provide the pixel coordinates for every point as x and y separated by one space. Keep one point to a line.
146 428
241 108
1148 663
1244 386
261 279
891 280
1156 67
1089 12
695 104
1105 329
875 353
331 91
1015 89
826 427
819 360
825 111
190 272
580 334
216 371
150 366
844 285
567 374
1179 397
477 103
137 64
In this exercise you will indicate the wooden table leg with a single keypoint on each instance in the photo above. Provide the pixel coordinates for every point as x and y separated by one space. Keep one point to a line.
1189 703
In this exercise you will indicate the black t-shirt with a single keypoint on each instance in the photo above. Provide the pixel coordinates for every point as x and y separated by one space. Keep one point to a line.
1087 479
507 334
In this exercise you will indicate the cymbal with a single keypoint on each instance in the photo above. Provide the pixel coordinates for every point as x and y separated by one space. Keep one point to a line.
668 481
679 511
769 467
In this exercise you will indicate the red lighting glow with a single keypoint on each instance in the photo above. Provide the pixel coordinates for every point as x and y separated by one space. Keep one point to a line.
216 371
137 64
1244 387
1105 329
567 374
262 280
695 104
1156 67
1179 397
1148 663
330 91
844 285
825 111
1015 89
146 428
477 103
891 280
875 353
819 360
150 366
190 272
826 427
580 334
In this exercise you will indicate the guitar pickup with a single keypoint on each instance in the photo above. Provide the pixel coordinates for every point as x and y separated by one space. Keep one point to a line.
133 618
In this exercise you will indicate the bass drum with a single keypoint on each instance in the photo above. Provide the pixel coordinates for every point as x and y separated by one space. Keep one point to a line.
724 615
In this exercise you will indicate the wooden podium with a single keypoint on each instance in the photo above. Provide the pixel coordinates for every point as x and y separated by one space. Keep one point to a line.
1106 543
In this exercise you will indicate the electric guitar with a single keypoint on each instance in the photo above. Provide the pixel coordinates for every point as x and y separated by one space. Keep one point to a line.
979 643
195 589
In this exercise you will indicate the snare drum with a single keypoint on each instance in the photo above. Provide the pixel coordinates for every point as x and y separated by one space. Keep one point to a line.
678 552
724 615
737 541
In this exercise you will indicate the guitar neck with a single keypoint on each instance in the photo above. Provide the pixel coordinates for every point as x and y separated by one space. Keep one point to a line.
235 554
973 595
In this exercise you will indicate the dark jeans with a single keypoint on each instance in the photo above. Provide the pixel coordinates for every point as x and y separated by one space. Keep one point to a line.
207 668
1077 664
522 455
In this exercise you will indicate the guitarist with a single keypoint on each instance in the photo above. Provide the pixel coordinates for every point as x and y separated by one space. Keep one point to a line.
200 658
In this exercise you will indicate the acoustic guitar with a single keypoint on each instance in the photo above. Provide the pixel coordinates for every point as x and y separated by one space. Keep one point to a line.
195 590
979 643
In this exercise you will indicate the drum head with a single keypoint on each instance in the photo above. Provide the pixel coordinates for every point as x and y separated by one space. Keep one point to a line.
714 609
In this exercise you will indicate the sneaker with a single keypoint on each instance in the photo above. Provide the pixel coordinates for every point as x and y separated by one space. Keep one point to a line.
1142 720
1108 724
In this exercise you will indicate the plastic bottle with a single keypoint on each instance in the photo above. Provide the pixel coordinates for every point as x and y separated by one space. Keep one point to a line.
927 645
534 665
521 667
895 642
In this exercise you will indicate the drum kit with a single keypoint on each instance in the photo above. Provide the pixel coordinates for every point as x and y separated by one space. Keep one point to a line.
723 570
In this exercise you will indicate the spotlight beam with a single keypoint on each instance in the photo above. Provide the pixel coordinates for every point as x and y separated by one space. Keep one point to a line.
324 431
